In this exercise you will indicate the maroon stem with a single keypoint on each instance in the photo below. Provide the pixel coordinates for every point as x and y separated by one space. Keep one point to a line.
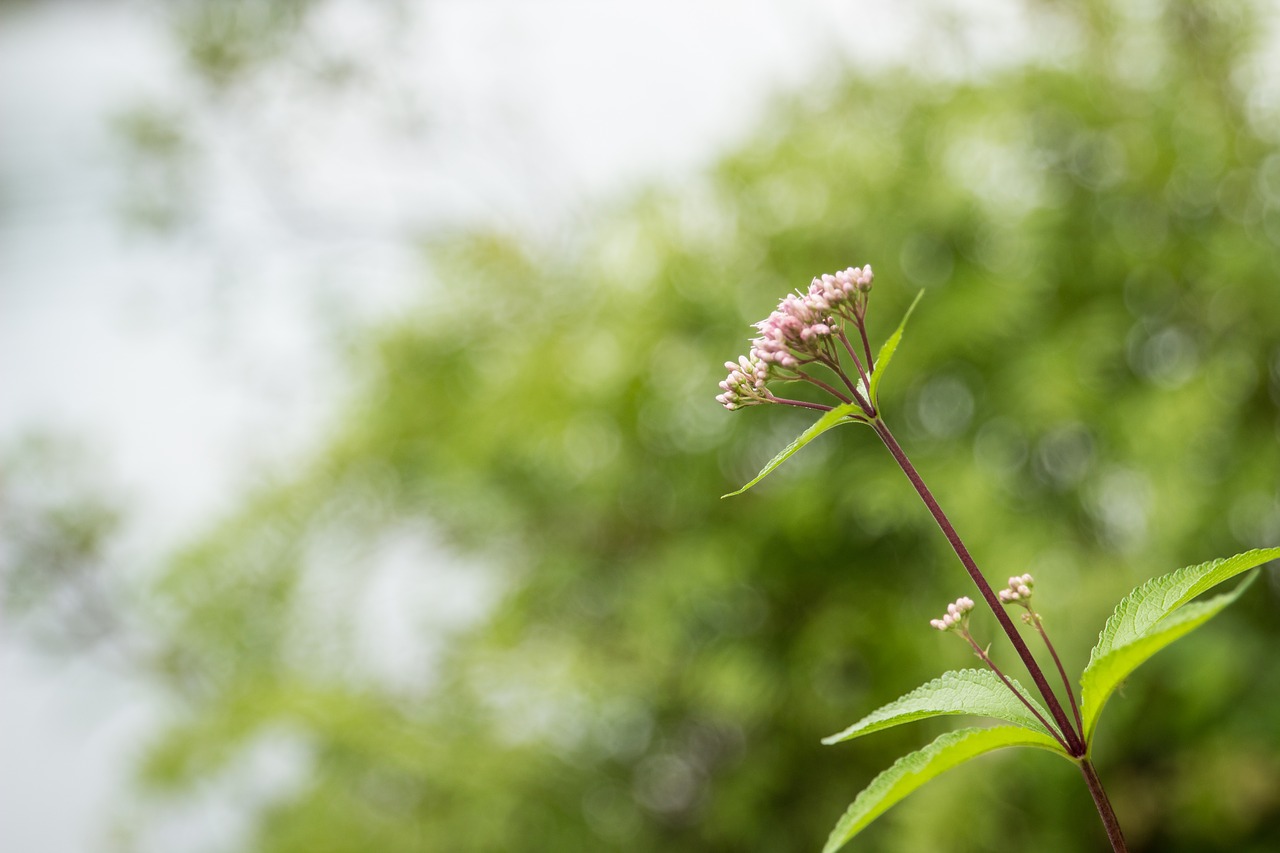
1075 745
1066 682
866 344
986 658
866 380
805 405
1108 814
834 364
824 386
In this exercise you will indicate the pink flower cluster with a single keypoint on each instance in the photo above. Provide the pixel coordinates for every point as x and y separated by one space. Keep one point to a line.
837 291
746 383
795 333
957 614
1019 590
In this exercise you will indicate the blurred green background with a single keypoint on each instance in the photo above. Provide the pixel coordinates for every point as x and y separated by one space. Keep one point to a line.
1091 386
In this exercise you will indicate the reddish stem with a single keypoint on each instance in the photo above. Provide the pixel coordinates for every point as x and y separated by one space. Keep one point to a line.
981 653
866 380
1066 682
834 365
824 386
1105 811
866 344
1074 743
784 401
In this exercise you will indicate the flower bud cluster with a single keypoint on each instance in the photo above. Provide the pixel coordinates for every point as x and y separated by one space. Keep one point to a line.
746 383
792 332
839 292
957 614
1019 590
796 332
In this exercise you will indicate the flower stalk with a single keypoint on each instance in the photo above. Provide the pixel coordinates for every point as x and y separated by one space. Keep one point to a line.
1075 745
1019 592
956 620
808 328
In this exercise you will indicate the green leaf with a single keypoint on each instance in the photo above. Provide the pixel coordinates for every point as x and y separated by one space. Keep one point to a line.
887 350
915 769
1153 616
976 692
848 413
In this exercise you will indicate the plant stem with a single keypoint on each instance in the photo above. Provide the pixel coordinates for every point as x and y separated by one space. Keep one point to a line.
801 403
866 343
866 380
986 658
834 364
804 377
1108 814
1074 743
1066 682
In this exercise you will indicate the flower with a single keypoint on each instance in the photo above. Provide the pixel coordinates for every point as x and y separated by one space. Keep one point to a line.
957 615
1018 591
798 332
745 385
793 333
841 289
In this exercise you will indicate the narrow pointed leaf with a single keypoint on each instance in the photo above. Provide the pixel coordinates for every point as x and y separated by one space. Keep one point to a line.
915 769
887 350
845 414
1104 674
976 692
1153 616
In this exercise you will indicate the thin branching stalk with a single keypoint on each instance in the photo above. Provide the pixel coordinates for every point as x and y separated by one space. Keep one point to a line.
1066 682
834 365
801 403
813 380
844 339
986 658
1074 742
801 332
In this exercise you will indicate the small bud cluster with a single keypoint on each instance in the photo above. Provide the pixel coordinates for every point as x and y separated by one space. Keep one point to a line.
792 332
746 383
796 333
957 614
840 292
1018 591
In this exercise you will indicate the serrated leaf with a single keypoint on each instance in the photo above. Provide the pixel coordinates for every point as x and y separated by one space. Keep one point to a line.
1157 598
887 350
976 692
844 414
915 769
1153 616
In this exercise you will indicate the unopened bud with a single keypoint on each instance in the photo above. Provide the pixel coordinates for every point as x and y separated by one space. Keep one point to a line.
1019 590
957 614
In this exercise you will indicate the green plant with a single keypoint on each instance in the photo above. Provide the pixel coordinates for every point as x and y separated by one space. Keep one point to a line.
805 341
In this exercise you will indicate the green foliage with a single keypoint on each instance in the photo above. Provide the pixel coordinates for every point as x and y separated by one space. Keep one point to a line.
1153 616
844 414
887 350
1148 619
57 523
911 771
226 40
1092 393
974 692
